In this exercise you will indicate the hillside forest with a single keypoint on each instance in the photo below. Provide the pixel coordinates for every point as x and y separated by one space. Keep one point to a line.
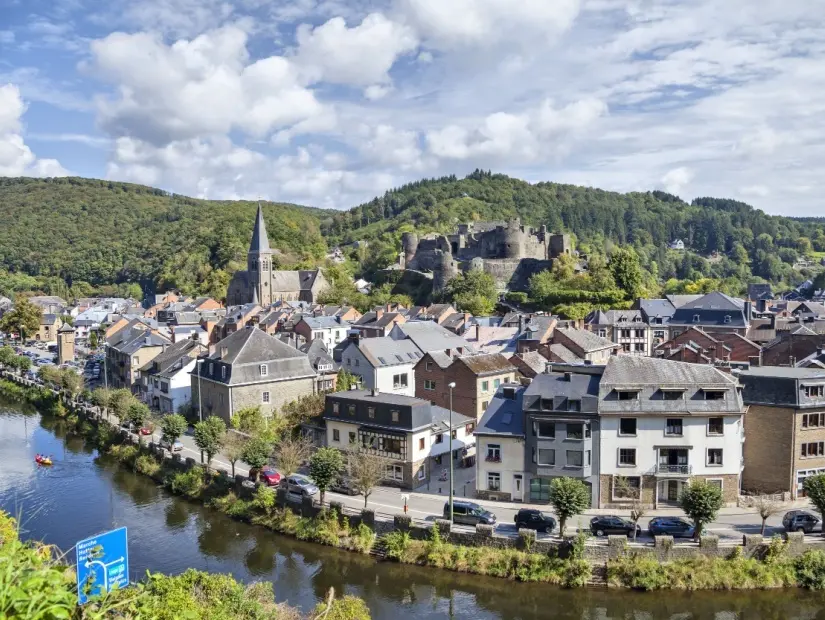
79 237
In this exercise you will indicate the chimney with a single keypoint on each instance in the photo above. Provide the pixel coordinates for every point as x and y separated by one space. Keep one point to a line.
773 320
748 312
375 391
478 332
224 352
568 376
520 323
379 312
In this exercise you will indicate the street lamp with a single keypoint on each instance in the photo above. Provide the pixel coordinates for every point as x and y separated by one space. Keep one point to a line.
451 385
200 400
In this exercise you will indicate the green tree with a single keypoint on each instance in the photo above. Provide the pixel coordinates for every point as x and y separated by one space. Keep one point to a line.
627 272
345 380
474 292
209 436
72 383
138 414
23 363
701 501
233 448
102 397
366 472
249 420
291 452
120 402
569 497
23 319
172 428
814 487
325 466
7 356
256 453
93 341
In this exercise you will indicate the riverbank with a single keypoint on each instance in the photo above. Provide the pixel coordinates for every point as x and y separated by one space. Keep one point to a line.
533 561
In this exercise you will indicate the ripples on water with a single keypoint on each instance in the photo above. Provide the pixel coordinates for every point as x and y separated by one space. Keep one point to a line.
80 496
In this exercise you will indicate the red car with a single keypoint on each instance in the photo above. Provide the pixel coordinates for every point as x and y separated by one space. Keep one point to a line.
147 430
268 476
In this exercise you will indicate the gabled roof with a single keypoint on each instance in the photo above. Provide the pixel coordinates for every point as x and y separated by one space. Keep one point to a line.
318 354
562 354
430 336
324 322
653 308
680 300
576 385
260 241
48 319
503 416
251 345
384 352
533 359
172 356
486 363
635 370
587 341
293 281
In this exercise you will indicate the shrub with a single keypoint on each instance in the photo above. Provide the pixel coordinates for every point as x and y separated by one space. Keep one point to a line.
147 465
362 540
396 544
189 483
285 521
125 453
232 505
810 570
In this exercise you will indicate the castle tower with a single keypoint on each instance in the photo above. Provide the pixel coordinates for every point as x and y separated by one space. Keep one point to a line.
259 261
409 243
65 344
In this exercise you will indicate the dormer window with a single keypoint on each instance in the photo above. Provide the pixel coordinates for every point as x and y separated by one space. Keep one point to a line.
814 391
628 394
727 318
223 372
264 370
714 394
672 393
696 318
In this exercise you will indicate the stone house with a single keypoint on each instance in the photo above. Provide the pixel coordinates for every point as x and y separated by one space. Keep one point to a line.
128 349
477 378
165 380
50 324
785 428
412 435
382 363
250 369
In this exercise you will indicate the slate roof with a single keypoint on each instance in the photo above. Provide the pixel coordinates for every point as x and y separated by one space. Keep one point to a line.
618 317
429 336
564 354
680 300
635 370
759 291
318 355
540 327
785 372
133 336
385 352
492 339
424 413
712 310
324 322
586 341
48 319
653 308
503 416
535 360
483 364
172 358
260 241
577 386
811 307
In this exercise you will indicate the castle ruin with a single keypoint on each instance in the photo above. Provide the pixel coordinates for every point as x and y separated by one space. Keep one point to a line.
508 251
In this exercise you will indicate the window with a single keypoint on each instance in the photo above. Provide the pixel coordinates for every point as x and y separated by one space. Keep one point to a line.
454 434
814 391
546 430
813 420
639 346
352 437
223 372
627 457
509 394
335 408
626 487
547 404
135 361
672 394
439 438
673 426
603 333
357 361
399 381
714 456
539 490
812 449
625 333
716 482
587 458
493 453
574 458
574 404
371 413
265 397
485 386
716 426
394 415
547 457
493 481
421 443
484 405
429 384
496 383
575 431
628 395
640 333
659 334
468 430
211 369
349 361
428 366
336 434
395 472
696 318
351 409
714 394
264 370
627 426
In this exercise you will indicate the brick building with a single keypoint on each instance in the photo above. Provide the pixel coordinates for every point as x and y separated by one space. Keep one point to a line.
697 346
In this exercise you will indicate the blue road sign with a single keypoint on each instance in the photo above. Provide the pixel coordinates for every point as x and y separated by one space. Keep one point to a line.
102 564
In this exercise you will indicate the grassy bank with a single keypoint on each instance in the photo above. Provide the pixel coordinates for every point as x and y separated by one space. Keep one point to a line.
36 584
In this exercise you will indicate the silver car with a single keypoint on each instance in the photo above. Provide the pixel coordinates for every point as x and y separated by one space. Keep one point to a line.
300 485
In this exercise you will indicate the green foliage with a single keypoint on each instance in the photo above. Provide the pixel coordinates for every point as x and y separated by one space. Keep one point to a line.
120 402
209 436
814 487
256 452
325 465
627 272
249 420
147 465
810 570
396 544
23 319
189 483
345 380
172 427
701 501
93 340
569 497
346 608
473 292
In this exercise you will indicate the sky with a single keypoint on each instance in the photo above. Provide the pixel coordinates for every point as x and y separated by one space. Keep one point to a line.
331 102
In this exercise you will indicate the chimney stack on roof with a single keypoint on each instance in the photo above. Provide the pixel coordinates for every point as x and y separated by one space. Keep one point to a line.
568 376
224 352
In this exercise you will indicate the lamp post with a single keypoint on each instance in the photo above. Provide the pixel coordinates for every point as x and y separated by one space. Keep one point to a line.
451 385
200 400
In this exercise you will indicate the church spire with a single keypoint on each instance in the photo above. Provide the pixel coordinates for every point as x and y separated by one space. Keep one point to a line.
260 242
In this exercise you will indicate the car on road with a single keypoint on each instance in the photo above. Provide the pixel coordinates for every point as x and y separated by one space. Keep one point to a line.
799 521
176 446
300 485
469 513
265 474
344 486
671 526
147 430
531 519
605 525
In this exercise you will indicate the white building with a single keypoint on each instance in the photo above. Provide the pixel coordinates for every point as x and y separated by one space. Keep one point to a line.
664 423
165 382
331 330
383 363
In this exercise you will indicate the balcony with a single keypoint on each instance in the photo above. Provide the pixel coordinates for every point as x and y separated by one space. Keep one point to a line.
673 470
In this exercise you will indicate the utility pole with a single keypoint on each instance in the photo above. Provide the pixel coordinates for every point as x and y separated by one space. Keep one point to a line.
451 385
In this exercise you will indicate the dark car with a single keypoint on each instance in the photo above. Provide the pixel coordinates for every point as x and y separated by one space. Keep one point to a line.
610 524
671 526
469 513
267 475
532 519
799 521
343 485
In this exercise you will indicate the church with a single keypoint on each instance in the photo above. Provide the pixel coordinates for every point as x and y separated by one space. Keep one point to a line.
260 284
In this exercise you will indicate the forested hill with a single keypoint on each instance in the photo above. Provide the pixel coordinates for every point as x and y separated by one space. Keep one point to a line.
747 241
101 232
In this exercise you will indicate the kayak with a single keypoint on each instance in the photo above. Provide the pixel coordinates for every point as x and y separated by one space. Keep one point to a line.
40 460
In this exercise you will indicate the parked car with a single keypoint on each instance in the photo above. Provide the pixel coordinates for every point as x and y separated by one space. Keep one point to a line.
265 474
147 430
605 525
671 526
176 445
531 519
799 521
343 485
469 513
300 485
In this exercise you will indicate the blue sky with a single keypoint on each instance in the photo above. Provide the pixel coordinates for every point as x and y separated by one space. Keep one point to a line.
330 102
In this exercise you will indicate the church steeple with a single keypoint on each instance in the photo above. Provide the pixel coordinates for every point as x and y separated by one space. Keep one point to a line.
260 242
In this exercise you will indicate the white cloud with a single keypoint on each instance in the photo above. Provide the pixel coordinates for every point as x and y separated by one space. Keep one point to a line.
389 146
361 55
675 180
17 159
206 86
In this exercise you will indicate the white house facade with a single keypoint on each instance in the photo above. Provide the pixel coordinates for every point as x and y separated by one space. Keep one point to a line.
383 364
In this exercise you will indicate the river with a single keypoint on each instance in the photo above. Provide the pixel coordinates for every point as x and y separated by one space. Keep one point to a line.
82 495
